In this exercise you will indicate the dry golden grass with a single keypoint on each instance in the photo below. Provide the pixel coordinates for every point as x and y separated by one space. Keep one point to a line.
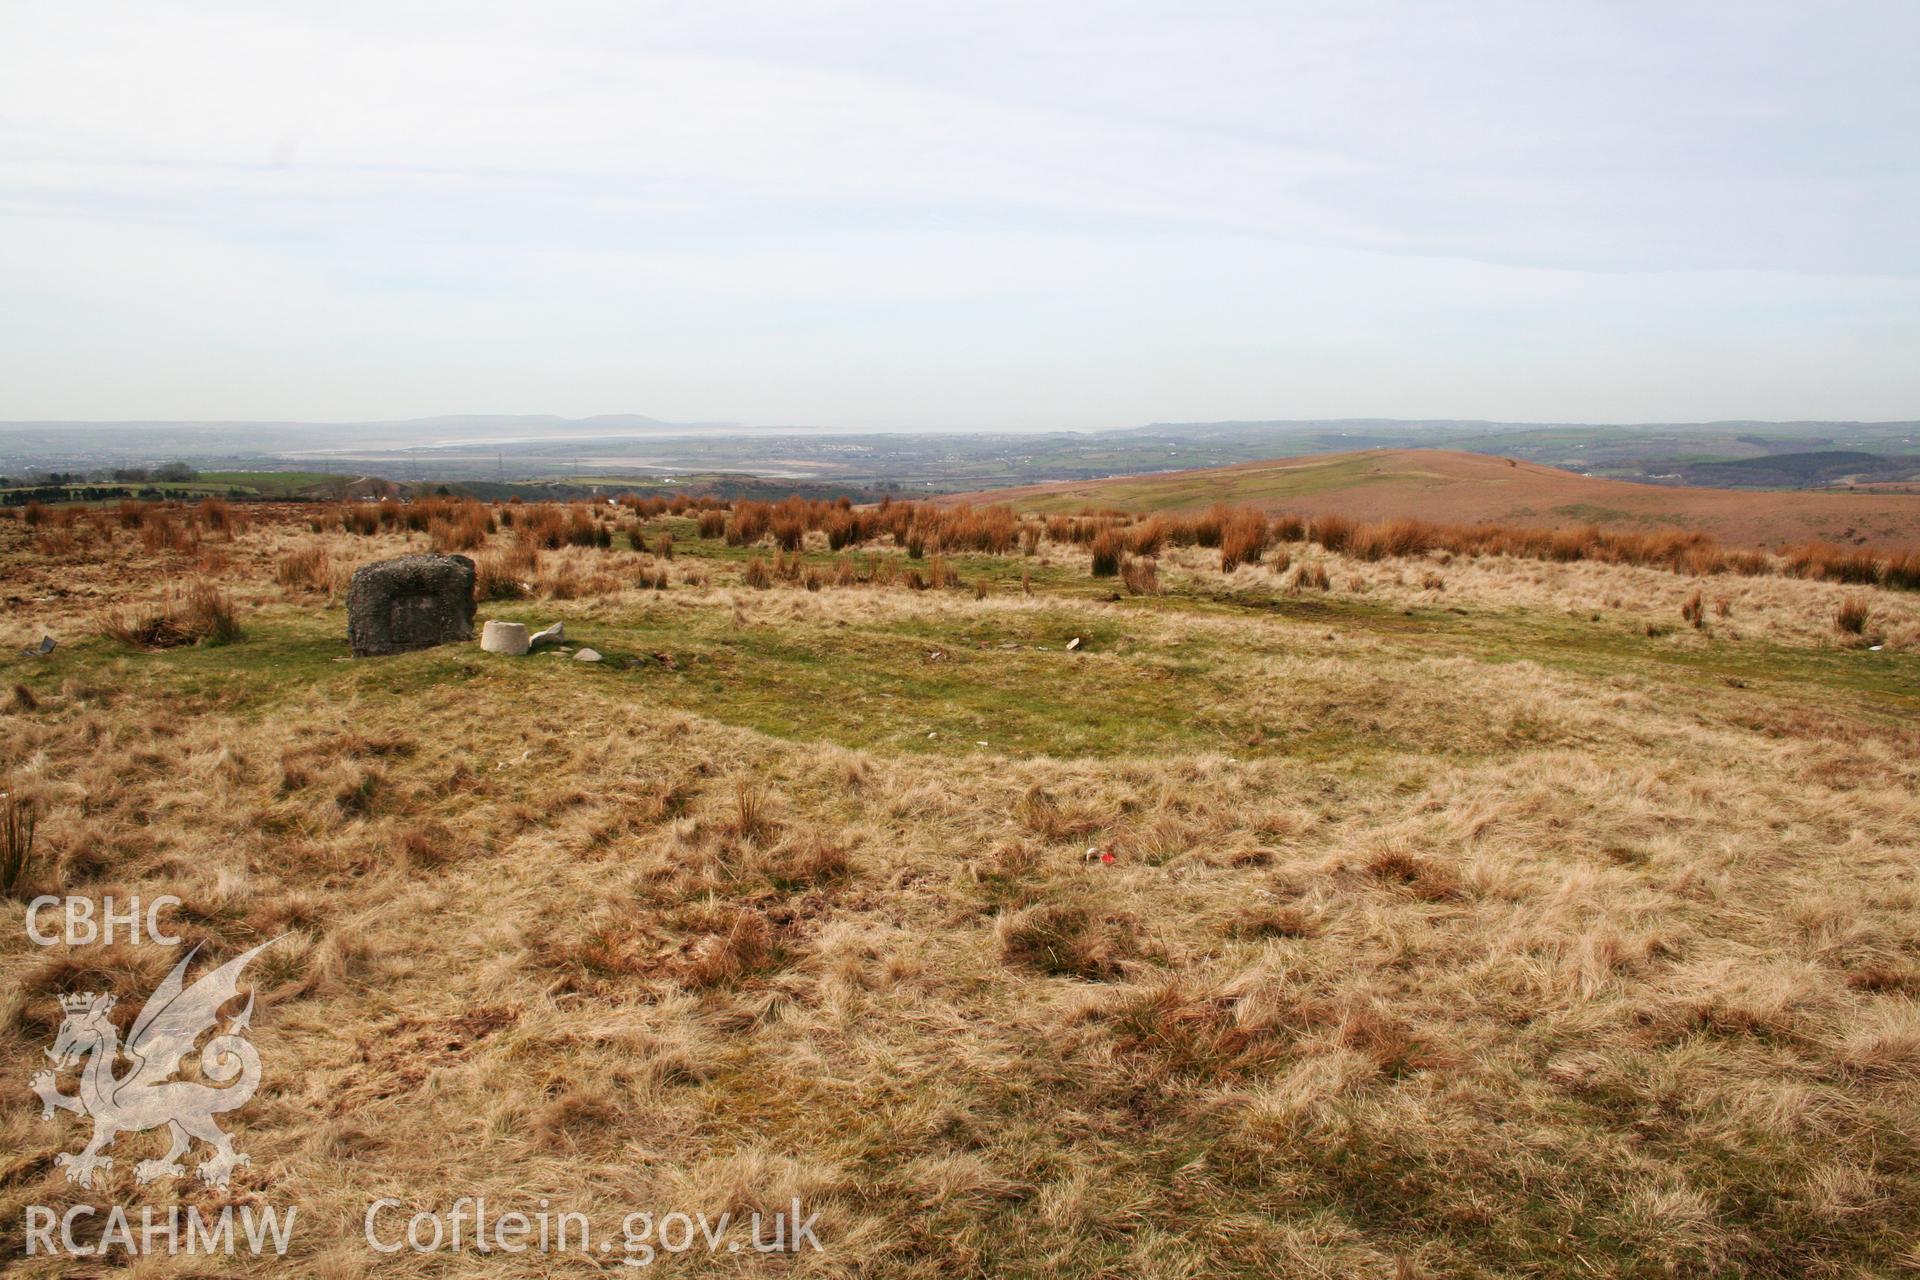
307 569
1487 938
18 821
1380 486
1776 609
199 614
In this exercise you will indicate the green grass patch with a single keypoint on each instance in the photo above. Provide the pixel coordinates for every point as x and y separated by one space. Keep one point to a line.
280 484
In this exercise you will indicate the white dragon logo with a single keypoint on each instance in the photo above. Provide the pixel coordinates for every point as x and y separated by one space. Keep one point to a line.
145 1097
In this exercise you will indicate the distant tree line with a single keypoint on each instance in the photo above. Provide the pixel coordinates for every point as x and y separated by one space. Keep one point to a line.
166 473
101 482
19 497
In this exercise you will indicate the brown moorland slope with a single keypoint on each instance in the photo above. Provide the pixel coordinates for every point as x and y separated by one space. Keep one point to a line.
1447 914
1468 488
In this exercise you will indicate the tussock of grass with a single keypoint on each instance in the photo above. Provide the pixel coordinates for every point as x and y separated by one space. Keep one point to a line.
1309 577
18 821
306 569
1414 875
1243 539
508 574
427 844
202 614
736 945
1174 1031
1274 921
1067 939
1142 577
751 818
806 863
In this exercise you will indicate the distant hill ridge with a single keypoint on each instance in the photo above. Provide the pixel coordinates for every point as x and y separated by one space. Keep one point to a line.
1453 487
1800 470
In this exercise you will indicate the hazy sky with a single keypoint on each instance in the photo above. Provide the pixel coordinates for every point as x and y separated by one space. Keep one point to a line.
932 214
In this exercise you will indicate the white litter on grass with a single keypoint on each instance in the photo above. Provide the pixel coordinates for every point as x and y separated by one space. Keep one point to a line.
1875 648
1073 644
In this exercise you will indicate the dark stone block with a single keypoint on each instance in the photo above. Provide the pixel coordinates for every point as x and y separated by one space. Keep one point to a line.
412 602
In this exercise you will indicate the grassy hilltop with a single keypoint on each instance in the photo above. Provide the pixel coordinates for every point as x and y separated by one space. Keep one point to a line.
1466 914
1465 488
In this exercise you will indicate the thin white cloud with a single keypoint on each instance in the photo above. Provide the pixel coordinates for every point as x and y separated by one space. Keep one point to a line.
1058 214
